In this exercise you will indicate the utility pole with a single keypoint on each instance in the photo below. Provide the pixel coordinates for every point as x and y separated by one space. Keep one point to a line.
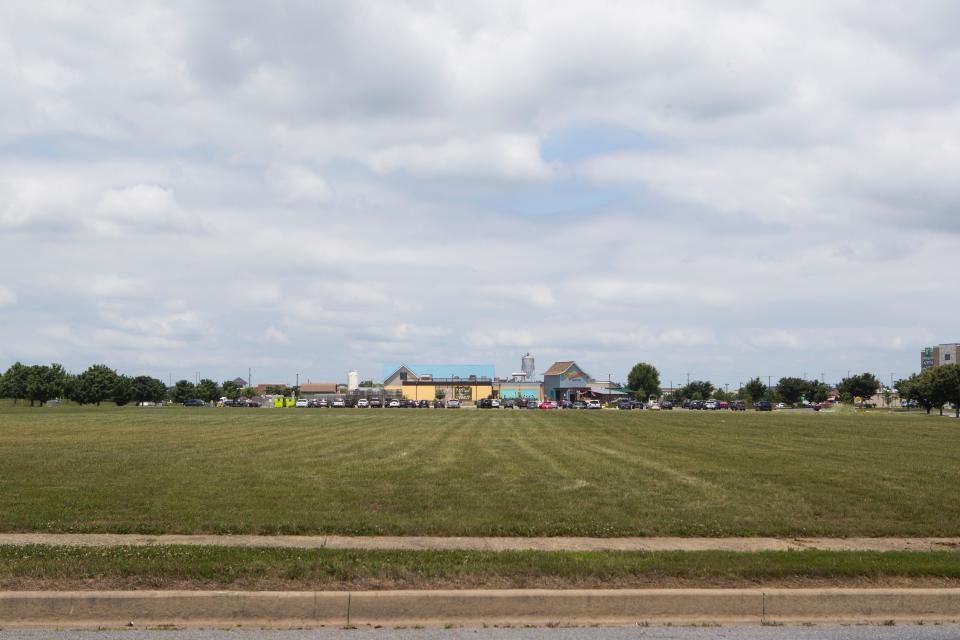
768 381
688 378
298 385
197 377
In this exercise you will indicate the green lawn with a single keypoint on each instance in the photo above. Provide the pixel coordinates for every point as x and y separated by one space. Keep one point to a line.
467 472
161 567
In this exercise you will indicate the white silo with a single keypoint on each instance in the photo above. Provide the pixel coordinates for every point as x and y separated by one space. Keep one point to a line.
527 366
353 381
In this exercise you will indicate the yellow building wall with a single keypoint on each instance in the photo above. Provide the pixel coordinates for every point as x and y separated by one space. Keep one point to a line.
429 391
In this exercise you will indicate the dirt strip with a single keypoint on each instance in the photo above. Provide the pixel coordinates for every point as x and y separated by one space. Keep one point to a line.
488 544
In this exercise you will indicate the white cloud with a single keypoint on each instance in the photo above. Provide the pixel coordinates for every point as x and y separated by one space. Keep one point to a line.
275 336
141 206
7 297
503 157
299 185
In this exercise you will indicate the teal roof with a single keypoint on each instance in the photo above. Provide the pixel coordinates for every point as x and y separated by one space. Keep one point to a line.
462 371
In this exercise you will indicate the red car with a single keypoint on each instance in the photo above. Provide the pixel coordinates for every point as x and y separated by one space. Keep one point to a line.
547 404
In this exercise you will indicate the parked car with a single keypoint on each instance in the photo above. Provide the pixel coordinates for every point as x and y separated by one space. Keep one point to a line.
485 403
547 404
711 405
738 405
494 403
579 404
653 406
363 403
376 403
763 405
820 406
532 404
453 404
438 404
508 404
393 404
780 405
594 404
625 404
195 402
666 404
302 403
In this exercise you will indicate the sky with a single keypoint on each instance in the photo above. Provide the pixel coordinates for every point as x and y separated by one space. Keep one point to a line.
722 189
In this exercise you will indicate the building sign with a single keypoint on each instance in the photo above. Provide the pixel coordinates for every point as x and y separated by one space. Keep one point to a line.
926 358
463 393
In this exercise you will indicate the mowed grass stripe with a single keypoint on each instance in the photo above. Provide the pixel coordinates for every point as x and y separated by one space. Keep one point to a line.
466 472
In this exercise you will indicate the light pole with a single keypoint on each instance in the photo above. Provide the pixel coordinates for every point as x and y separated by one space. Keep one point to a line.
298 385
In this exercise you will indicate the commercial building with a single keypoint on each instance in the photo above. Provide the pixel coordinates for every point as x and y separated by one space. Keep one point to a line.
464 382
939 355
564 380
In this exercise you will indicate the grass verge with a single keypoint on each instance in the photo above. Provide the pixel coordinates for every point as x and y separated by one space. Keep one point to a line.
191 567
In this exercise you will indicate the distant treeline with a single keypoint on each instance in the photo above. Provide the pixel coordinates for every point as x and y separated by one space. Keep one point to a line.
37 384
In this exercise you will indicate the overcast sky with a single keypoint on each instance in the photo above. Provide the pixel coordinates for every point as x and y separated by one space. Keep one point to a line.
725 189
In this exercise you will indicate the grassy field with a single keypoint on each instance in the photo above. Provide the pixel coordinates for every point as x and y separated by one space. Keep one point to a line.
177 567
466 472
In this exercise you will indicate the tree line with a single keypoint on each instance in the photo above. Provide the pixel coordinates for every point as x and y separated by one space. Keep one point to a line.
38 384
644 381
933 388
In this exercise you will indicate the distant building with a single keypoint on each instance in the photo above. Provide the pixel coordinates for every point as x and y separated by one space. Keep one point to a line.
240 382
319 388
262 388
940 355
465 382
565 381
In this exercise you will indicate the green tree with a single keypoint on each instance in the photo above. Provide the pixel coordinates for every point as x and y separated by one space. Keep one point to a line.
95 385
695 390
123 391
183 391
14 382
941 384
231 390
45 383
818 391
147 389
864 385
644 380
207 390
918 388
249 392
948 384
439 394
791 390
754 390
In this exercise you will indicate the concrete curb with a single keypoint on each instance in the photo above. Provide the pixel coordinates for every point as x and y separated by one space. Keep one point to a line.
84 609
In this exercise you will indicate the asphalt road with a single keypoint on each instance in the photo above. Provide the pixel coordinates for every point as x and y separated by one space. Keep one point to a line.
825 632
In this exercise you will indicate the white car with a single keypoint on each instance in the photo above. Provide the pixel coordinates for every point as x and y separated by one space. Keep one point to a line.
338 403
363 403
653 406
494 404
453 404
302 403
780 405
393 404
594 404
